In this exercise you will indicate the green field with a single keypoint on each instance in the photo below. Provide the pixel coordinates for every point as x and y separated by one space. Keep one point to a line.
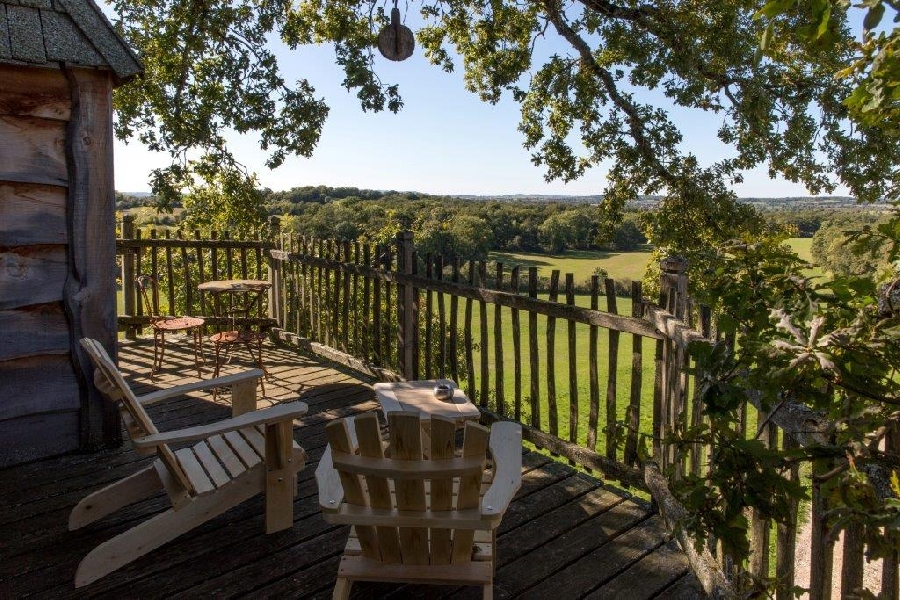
581 263
802 246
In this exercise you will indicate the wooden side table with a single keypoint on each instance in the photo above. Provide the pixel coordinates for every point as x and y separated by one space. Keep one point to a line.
418 396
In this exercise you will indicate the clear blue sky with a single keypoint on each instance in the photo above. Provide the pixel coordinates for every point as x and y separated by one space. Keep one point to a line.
444 140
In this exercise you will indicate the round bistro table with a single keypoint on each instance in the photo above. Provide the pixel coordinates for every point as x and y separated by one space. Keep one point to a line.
229 299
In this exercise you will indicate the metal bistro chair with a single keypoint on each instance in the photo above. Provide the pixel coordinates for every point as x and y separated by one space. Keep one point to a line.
235 334
160 324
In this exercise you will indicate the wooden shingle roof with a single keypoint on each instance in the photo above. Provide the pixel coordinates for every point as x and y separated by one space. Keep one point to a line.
75 32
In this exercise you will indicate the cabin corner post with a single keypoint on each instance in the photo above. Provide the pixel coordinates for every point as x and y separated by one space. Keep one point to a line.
89 295
407 326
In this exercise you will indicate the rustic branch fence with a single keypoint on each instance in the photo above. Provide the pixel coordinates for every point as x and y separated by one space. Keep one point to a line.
385 310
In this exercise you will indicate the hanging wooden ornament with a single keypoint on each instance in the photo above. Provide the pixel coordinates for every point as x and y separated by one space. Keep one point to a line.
395 41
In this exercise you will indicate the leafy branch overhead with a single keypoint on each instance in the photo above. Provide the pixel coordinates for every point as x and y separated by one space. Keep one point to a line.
580 71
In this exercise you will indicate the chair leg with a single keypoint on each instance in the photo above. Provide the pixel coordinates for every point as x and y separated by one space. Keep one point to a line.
111 498
217 348
342 589
259 364
199 333
280 474
198 351
163 528
157 362
488 592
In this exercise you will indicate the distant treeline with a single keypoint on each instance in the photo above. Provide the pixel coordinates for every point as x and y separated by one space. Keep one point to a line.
470 228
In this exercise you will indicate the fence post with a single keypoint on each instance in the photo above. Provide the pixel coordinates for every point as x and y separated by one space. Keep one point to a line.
128 291
407 326
673 285
274 308
670 404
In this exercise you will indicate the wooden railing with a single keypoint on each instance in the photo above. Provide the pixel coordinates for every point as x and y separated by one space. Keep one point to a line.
589 385
179 264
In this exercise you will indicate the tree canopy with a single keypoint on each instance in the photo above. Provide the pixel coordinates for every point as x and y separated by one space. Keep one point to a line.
210 69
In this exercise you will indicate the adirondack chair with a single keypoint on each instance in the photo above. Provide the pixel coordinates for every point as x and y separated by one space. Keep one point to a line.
418 519
234 460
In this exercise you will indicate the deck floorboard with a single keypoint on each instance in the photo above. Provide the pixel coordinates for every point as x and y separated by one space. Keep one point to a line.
566 534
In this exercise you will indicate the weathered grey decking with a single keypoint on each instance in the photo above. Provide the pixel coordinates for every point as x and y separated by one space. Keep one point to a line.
566 535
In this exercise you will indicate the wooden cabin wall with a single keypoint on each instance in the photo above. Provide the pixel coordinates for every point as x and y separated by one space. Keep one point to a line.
55 272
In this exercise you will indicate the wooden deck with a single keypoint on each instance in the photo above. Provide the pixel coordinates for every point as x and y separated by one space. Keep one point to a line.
566 535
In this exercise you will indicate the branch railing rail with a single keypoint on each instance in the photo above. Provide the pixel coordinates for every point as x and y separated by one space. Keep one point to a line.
554 361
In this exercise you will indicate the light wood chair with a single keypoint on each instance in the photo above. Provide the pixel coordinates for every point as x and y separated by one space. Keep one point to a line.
419 515
234 460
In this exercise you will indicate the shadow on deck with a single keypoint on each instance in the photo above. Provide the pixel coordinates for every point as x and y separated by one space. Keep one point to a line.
566 535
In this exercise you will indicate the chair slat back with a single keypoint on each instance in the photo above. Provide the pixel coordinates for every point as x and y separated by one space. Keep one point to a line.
111 383
146 286
405 489
406 444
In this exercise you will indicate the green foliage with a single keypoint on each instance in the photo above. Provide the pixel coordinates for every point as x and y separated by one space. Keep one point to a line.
227 201
463 236
209 69
870 73
818 343
837 246
627 237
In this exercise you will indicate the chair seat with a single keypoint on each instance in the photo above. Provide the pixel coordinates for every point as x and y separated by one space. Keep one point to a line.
178 323
212 463
237 337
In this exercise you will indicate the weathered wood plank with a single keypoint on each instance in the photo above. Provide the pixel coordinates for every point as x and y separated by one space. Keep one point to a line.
517 347
32 275
37 436
498 347
550 358
33 150
32 214
452 343
32 331
468 339
484 373
37 384
633 412
647 577
34 92
577 548
593 375
611 392
533 372
573 364
618 554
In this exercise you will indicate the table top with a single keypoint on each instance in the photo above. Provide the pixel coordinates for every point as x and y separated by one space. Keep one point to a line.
234 285
418 396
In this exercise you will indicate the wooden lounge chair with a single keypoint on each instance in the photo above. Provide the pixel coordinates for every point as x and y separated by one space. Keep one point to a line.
234 460
415 519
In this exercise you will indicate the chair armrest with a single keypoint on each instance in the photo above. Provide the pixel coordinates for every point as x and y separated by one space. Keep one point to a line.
506 447
328 480
178 390
274 414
